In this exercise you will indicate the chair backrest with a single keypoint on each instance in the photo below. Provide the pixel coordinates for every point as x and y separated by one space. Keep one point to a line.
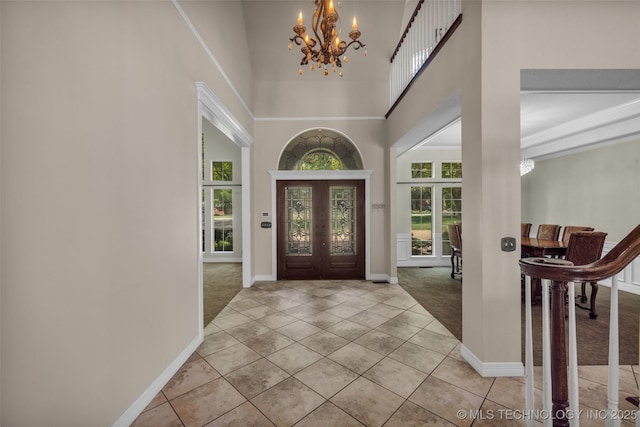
525 229
455 235
585 247
548 232
566 233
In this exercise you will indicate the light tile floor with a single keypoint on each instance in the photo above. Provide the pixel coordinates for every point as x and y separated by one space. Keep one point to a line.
345 353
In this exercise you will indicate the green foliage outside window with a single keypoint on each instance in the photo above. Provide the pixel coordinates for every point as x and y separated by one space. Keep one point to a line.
223 220
422 170
451 170
421 221
319 160
221 171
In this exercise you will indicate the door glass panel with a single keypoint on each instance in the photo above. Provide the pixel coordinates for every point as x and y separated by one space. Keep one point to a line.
451 213
343 220
298 202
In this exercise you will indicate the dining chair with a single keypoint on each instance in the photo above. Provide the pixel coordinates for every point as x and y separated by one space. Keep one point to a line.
455 239
548 232
584 248
569 229
525 229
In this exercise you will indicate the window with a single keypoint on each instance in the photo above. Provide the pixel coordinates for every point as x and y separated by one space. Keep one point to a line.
421 221
319 160
422 170
433 196
222 220
221 171
451 170
451 213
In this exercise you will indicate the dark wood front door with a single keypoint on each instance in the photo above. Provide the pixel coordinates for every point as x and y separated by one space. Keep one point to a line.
320 230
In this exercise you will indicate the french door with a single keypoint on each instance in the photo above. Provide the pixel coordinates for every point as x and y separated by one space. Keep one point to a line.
320 229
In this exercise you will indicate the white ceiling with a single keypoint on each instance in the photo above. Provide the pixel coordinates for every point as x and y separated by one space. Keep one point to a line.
559 123
563 112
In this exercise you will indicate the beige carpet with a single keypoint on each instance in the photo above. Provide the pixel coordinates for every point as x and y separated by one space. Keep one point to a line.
442 297
221 282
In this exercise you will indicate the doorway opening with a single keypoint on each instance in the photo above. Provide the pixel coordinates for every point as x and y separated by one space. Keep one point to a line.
223 214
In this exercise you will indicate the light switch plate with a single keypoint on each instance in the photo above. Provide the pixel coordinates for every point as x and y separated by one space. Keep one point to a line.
508 244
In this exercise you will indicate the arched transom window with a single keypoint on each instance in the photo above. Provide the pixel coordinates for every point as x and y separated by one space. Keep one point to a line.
320 149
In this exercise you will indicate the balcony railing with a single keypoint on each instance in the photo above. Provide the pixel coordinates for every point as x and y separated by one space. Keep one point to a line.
431 24
560 401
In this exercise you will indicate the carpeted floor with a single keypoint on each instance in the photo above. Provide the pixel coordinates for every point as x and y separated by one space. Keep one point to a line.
434 289
221 282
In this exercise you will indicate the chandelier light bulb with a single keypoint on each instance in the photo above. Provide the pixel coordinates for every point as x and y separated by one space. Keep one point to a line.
354 26
300 18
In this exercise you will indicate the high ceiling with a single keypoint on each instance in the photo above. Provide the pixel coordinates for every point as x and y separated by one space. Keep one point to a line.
270 26
562 111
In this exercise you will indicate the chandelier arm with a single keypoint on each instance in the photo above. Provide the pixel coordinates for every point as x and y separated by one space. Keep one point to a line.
326 47
356 45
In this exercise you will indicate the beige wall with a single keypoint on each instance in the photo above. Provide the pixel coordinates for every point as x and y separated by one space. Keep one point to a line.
99 203
362 93
598 188
483 59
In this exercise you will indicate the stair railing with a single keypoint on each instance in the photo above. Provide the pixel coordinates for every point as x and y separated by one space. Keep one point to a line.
559 387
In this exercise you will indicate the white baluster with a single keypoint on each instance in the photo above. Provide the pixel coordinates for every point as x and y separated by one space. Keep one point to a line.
546 355
574 403
614 370
528 360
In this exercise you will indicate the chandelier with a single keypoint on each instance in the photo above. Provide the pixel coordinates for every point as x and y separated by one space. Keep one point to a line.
324 48
526 166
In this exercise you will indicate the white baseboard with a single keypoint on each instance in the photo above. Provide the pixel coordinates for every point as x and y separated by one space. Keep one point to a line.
136 408
264 278
424 263
393 280
378 277
492 369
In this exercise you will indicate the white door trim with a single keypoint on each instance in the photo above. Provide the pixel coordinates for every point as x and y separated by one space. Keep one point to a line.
213 110
323 176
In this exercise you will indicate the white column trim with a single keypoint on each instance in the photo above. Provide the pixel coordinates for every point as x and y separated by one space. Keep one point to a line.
492 369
